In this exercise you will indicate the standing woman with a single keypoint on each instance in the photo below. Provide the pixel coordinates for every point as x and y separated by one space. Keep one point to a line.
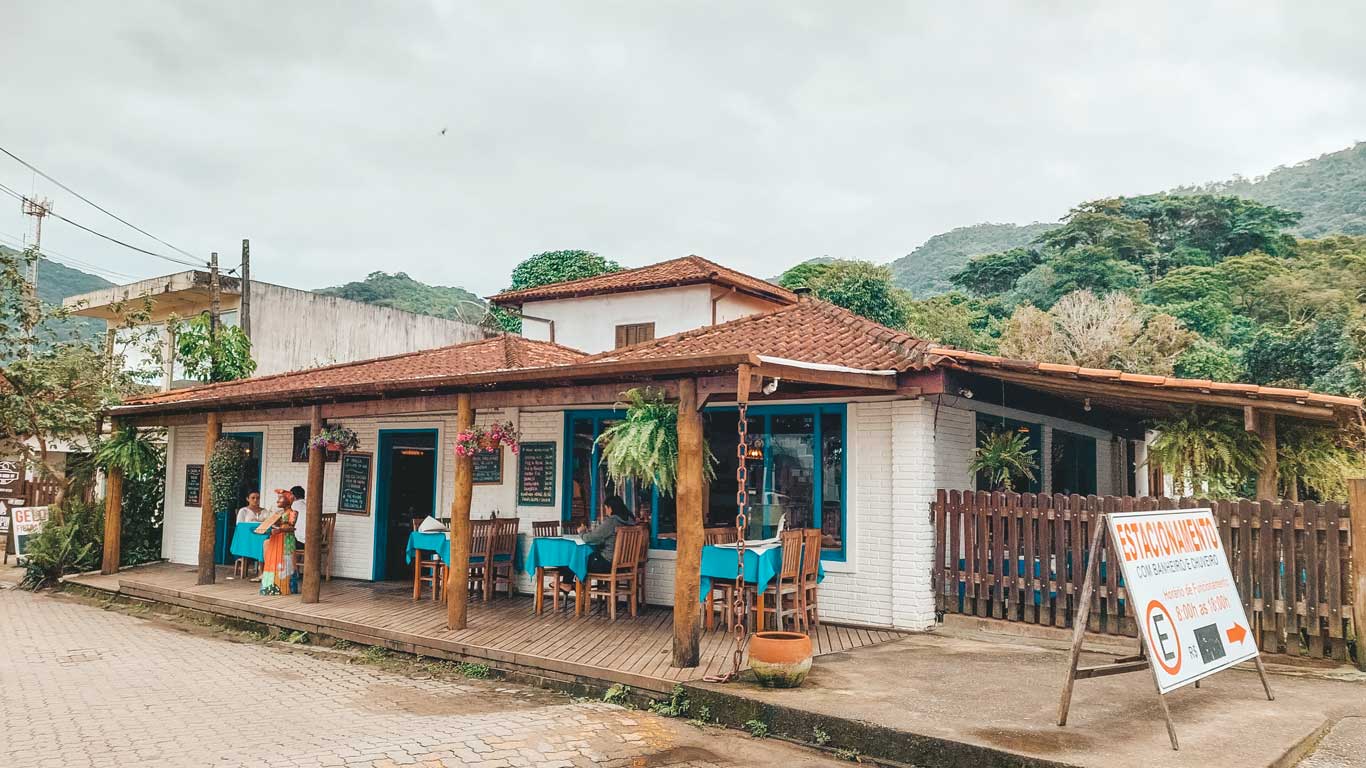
277 569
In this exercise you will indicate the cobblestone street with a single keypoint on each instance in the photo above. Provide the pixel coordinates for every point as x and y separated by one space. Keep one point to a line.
89 687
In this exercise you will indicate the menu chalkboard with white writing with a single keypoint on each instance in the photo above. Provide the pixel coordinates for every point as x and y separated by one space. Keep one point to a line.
488 467
536 474
194 485
354 494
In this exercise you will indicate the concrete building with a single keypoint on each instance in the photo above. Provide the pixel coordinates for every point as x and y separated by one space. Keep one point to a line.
291 329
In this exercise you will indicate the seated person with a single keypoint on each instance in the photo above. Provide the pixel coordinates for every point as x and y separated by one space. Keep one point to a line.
604 537
253 512
296 498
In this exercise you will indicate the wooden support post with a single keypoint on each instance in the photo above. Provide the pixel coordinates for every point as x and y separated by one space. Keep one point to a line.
113 520
313 511
208 521
457 591
1266 474
1356 508
1082 615
688 565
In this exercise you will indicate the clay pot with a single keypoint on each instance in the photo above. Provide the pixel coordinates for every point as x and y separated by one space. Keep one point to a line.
780 659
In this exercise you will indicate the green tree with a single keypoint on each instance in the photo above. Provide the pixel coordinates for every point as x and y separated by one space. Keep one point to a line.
206 358
993 273
54 383
1185 284
1203 360
863 288
805 274
548 268
952 319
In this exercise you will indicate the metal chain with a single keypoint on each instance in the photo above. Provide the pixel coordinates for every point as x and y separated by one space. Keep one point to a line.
741 524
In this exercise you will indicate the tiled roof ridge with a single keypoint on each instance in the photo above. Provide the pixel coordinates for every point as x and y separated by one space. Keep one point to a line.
502 337
708 270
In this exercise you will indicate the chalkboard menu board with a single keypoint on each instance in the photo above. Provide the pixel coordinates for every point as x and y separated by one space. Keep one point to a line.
536 474
488 467
354 494
194 485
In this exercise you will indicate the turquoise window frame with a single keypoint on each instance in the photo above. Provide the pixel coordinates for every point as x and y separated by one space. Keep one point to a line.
382 470
766 412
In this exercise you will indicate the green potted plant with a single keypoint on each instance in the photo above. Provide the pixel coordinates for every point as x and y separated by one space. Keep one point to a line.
1003 456
336 438
643 446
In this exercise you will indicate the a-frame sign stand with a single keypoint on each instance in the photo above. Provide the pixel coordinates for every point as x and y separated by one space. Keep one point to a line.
1126 664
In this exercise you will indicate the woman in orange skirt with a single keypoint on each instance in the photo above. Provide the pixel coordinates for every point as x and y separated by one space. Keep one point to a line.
277 565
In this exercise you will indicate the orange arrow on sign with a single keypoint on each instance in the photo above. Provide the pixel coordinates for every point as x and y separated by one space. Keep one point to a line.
1237 633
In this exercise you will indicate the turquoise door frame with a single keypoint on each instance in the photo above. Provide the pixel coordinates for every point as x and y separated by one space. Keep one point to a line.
384 448
257 440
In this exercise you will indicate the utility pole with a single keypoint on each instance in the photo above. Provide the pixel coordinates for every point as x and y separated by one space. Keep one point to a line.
246 288
37 209
214 294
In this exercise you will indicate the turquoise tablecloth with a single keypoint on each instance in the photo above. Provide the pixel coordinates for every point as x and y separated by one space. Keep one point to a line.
246 542
555 552
431 542
720 563
439 543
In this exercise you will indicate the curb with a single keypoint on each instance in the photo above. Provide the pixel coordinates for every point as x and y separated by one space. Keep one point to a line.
876 742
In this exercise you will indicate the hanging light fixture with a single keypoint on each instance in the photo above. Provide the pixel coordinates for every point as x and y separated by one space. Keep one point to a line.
754 449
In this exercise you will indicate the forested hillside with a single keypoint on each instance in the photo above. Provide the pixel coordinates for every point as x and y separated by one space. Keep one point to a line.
1329 192
400 291
58 281
925 271
1201 286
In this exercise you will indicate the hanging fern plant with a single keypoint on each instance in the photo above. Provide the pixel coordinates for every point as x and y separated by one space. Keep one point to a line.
1003 456
131 451
1314 459
643 446
1205 452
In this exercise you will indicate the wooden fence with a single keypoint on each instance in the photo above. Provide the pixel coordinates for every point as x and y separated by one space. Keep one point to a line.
1022 557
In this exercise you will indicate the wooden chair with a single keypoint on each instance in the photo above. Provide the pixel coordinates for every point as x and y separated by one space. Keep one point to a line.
808 615
480 540
427 569
722 592
324 540
243 567
782 597
548 580
501 568
621 582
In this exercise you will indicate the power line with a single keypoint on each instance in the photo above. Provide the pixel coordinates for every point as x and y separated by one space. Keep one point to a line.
70 261
93 204
111 239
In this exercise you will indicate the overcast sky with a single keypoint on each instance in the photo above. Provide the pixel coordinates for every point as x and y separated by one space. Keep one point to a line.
756 134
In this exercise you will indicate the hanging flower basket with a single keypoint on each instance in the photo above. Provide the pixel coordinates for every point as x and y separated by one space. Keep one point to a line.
486 439
336 439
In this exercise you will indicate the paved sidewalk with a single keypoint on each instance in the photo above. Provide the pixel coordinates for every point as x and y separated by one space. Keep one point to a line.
89 687
934 698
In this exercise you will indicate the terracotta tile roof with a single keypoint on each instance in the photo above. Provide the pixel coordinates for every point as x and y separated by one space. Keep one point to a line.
1139 382
689 270
487 355
810 331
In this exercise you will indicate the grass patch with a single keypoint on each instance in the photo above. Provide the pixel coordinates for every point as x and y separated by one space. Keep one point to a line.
297 638
819 736
757 728
375 654
851 755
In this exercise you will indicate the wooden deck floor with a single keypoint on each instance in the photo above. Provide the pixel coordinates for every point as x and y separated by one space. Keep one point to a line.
505 634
